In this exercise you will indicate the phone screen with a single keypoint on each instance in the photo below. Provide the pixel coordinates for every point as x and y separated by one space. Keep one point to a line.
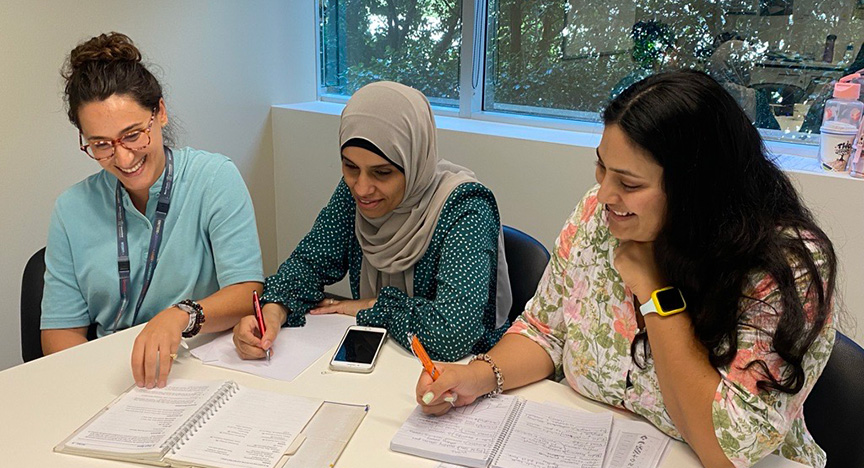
359 346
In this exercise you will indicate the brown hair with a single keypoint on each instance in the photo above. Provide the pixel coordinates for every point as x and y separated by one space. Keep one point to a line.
105 65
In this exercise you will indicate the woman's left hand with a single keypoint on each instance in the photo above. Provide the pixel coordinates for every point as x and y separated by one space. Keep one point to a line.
348 307
156 347
634 261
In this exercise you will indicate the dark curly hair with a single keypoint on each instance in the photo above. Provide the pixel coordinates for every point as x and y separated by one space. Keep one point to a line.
106 65
730 213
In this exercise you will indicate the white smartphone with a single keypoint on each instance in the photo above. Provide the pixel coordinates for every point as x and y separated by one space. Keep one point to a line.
358 350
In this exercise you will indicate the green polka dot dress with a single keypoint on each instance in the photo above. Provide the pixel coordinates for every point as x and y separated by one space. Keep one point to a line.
453 307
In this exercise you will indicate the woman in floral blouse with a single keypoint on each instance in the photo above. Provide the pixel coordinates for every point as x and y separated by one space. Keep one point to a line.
686 198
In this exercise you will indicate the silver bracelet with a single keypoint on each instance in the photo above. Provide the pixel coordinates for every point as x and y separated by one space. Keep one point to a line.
499 379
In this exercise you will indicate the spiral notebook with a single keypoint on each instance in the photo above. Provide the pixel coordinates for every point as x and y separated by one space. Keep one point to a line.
507 432
201 424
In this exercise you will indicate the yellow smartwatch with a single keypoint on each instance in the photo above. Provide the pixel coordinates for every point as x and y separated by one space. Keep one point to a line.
664 302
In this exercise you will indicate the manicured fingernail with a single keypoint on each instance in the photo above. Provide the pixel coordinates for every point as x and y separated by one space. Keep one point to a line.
139 384
429 396
266 344
450 399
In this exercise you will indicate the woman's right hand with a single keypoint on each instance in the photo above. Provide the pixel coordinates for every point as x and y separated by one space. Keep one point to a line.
458 385
247 338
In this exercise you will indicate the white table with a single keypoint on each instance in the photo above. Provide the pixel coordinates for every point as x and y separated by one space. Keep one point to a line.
45 400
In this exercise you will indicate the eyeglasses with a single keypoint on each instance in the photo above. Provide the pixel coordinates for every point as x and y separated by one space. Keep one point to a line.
133 141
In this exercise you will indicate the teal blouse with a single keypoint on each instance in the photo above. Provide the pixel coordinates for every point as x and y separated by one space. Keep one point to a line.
453 307
209 242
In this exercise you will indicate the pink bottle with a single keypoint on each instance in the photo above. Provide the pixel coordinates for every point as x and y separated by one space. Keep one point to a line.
840 124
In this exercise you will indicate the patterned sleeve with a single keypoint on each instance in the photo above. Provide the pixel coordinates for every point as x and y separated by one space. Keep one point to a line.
451 323
320 259
751 423
543 319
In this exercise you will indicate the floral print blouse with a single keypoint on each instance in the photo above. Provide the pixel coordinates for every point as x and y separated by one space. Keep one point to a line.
584 317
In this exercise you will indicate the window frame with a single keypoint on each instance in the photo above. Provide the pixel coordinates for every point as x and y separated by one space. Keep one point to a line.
472 80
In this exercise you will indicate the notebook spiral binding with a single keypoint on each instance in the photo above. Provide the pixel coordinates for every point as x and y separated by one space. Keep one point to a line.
504 437
196 422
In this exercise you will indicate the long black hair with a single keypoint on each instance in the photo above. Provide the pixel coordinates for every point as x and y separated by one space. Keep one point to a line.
730 213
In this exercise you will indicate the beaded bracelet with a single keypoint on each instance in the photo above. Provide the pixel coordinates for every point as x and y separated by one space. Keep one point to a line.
196 313
499 379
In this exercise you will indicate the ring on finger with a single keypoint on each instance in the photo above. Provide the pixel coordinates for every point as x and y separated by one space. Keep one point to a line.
173 356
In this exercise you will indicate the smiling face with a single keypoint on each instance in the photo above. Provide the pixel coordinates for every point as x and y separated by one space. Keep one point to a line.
631 188
115 117
377 185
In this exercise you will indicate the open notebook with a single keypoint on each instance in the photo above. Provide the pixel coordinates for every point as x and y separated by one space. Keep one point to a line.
507 432
206 424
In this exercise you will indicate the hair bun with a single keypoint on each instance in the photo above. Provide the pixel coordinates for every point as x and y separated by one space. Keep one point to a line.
111 47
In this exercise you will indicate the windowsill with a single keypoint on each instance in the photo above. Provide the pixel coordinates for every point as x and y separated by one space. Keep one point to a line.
789 156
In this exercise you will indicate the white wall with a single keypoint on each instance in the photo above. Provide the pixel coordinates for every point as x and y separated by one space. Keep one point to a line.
223 65
537 184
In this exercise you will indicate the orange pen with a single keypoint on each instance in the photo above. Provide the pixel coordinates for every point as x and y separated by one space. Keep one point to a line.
420 352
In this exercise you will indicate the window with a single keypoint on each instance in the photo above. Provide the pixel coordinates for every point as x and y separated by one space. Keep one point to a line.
414 42
566 58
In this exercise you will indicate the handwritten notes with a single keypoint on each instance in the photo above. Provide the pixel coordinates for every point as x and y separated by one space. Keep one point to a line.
546 436
507 432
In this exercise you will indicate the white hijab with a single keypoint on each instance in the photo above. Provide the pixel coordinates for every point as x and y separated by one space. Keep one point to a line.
399 121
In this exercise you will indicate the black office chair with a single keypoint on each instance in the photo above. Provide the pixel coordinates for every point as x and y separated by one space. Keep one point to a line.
526 261
834 410
31 308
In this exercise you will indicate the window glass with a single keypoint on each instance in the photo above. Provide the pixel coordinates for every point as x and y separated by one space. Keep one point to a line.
414 42
778 58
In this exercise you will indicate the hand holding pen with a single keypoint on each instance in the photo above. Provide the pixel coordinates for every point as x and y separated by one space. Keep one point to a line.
249 342
259 316
429 368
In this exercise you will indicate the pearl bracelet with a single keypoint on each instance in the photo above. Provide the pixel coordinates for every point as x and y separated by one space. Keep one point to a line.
499 379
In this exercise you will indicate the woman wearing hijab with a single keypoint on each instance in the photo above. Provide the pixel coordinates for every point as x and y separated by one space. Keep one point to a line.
420 239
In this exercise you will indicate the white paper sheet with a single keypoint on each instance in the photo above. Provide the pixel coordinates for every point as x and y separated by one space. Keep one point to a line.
294 350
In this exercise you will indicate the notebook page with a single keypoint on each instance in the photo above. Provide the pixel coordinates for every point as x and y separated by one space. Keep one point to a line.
635 444
294 350
252 430
463 435
546 436
143 420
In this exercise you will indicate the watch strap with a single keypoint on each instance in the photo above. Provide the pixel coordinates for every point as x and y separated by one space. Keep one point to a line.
649 307
196 317
654 306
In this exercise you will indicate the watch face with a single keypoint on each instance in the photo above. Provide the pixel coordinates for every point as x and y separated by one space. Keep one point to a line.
670 299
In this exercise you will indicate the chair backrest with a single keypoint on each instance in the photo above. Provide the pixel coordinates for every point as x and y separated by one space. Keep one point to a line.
31 306
526 261
32 285
834 410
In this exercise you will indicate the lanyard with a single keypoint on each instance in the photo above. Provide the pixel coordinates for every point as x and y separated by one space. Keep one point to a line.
123 266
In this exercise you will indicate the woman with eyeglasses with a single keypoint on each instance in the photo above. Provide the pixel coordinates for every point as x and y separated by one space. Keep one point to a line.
160 235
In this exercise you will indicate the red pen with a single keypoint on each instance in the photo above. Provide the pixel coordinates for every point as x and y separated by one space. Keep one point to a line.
420 352
260 316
